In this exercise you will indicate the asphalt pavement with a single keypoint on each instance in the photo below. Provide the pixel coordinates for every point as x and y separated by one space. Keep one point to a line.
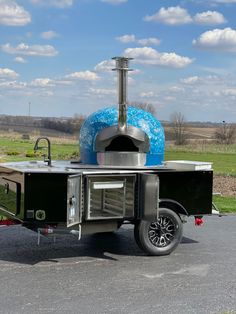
110 274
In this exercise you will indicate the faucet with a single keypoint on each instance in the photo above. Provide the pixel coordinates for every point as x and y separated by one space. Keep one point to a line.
36 147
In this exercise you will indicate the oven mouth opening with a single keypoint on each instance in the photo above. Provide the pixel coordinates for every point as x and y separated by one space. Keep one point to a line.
122 144
129 139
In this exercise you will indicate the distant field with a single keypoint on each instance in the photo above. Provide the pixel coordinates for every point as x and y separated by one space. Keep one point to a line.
206 133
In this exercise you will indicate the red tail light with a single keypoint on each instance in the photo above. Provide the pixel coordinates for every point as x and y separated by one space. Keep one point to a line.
8 222
198 221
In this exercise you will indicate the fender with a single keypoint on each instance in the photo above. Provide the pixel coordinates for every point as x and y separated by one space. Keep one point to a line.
173 205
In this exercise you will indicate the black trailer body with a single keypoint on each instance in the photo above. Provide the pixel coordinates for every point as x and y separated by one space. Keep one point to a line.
67 196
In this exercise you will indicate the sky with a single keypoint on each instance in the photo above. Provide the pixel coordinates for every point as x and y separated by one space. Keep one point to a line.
55 56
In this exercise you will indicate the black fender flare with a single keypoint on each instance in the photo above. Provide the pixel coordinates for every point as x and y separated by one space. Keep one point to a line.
173 205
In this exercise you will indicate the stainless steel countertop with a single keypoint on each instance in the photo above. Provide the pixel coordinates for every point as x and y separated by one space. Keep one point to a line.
62 166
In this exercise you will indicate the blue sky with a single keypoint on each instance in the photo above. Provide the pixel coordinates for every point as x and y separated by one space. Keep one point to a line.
55 56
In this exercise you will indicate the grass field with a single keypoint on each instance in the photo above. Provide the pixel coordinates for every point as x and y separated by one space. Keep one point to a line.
222 156
223 163
17 149
225 204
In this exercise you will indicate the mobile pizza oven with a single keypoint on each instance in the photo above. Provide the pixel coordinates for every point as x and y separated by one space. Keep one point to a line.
121 178
122 137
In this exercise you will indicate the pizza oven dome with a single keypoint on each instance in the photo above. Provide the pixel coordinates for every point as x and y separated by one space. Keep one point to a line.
123 136
142 138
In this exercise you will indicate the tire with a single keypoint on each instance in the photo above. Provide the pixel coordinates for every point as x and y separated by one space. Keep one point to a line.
160 237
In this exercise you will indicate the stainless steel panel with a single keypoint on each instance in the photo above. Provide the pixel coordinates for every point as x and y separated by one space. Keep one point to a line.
130 159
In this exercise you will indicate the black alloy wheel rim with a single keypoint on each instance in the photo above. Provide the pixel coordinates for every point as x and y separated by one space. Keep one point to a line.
162 232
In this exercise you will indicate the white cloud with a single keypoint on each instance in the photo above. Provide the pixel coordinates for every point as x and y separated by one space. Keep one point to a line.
126 38
190 80
49 35
179 16
148 41
8 73
176 89
171 16
150 56
33 51
83 75
54 3
217 39
102 91
20 60
209 18
147 94
205 80
105 66
12 85
135 72
143 41
114 1
229 92
12 14
42 82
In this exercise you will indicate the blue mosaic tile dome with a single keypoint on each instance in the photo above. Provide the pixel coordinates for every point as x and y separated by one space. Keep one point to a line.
108 117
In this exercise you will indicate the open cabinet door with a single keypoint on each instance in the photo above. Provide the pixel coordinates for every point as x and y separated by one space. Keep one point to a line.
74 200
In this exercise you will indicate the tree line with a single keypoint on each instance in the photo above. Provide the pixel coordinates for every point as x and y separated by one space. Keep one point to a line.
65 125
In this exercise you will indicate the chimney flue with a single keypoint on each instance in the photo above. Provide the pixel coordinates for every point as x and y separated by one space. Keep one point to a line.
122 66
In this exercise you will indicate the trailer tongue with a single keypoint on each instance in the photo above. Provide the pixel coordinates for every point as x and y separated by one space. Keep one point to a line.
121 178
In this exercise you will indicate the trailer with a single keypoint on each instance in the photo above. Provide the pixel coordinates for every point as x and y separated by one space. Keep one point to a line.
121 178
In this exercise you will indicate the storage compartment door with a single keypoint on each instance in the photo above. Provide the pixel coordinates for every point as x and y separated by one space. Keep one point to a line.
109 196
149 197
74 200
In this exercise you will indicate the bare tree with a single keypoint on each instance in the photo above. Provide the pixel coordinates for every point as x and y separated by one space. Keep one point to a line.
143 105
178 123
225 133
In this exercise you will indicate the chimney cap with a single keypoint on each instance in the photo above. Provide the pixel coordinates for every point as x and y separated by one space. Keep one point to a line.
122 63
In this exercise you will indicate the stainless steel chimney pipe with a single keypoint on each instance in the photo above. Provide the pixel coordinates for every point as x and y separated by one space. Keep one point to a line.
122 66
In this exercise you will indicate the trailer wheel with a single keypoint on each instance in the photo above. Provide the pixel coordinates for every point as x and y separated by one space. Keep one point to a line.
160 237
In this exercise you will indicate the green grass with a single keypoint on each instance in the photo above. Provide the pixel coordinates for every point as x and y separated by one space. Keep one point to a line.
225 204
223 163
18 150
